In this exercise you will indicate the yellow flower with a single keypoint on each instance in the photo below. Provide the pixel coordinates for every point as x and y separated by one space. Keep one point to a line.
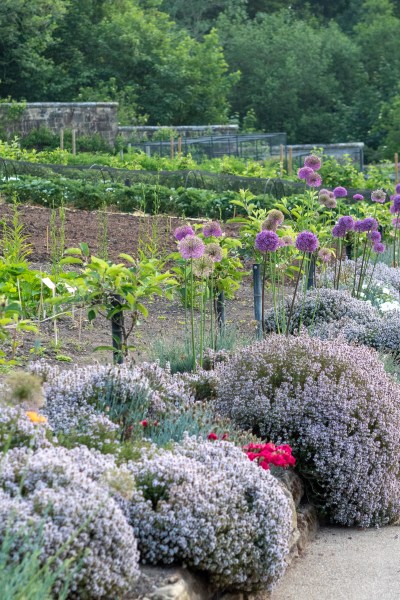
35 417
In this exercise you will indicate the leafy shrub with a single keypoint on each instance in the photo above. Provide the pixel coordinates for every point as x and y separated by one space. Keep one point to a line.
206 505
338 409
80 520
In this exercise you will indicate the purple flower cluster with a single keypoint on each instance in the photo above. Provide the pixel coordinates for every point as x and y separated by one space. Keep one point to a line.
327 198
366 225
358 197
343 226
379 196
274 219
340 192
307 241
191 247
181 232
312 164
395 207
338 409
267 241
212 229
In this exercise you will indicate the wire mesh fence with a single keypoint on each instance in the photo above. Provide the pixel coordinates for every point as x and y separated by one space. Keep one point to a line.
251 146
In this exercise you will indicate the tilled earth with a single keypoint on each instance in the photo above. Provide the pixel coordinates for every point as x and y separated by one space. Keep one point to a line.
126 233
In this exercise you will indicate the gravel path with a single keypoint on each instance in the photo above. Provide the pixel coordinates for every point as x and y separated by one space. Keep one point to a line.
346 564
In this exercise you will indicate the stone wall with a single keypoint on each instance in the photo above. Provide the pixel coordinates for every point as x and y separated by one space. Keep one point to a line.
85 117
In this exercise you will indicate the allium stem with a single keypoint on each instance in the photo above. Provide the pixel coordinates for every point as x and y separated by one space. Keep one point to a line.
263 294
362 268
340 263
355 264
202 313
192 315
212 306
294 294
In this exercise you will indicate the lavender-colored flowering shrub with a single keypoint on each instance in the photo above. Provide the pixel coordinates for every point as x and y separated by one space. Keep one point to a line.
206 505
338 409
323 306
75 397
17 430
59 493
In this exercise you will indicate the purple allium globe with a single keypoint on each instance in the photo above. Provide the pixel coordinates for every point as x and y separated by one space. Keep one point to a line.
324 198
314 180
378 196
339 231
212 229
325 254
370 224
274 219
304 172
395 208
287 240
267 241
375 236
340 192
183 231
306 241
191 247
359 226
346 222
214 251
313 162
379 248
358 197
331 202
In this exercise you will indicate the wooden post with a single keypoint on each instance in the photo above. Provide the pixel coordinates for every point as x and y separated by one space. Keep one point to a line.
74 141
179 146
396 167
290 161
281 160
62 139
172 146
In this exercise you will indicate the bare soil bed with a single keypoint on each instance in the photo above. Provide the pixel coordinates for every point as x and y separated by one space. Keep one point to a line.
126 233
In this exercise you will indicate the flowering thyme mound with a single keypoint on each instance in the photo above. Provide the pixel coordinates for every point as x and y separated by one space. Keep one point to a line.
326 306
53 491
206 505
75 397
336 407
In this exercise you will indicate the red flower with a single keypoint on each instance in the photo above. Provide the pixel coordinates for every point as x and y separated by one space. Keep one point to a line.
144 423
212 436
155 423
225 436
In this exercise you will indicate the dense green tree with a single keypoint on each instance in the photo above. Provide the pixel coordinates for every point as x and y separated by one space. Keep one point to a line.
27 28
295 76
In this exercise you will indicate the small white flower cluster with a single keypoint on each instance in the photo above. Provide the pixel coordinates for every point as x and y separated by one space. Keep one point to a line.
59 494
75 397
206 505
338 409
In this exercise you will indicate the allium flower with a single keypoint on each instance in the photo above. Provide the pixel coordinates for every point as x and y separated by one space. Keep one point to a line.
323 191
324 198
306 241
325 254
379 247
181 232
359 226
346 222
378 196
374 236
398 188
304 172
203 267
191 247
331 202
314 180
274 219
370 224
358 197
340 192
339 231
313 162
212 229
396 222
214 251
395 208
287 240
267 241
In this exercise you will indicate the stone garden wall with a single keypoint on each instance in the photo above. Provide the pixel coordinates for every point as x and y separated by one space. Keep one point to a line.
85 117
